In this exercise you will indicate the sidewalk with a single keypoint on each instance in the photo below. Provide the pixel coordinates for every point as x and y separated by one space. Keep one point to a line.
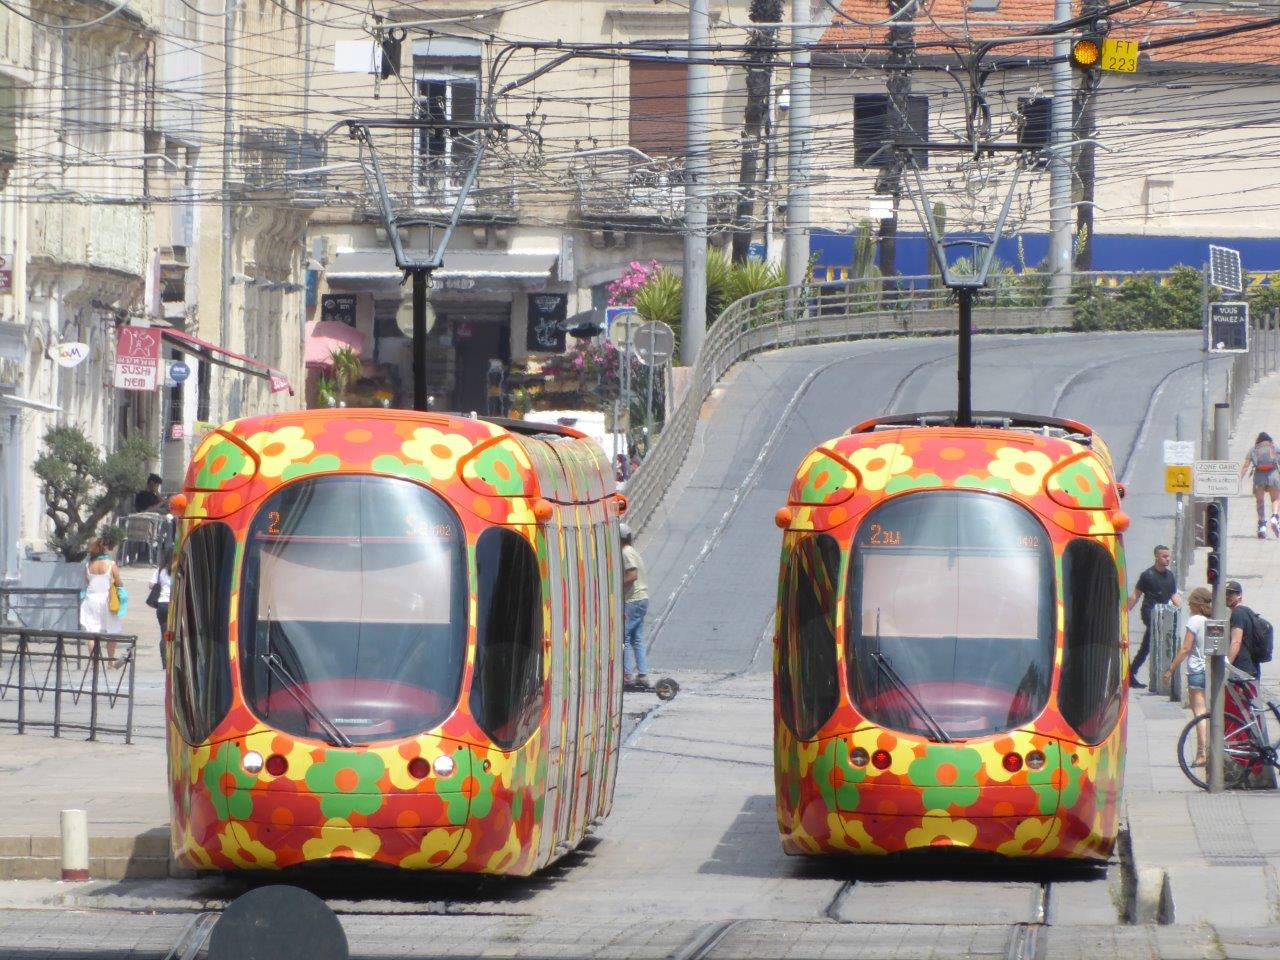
122 787
1220 853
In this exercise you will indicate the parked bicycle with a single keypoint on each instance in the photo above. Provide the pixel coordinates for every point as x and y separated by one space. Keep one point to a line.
1248 748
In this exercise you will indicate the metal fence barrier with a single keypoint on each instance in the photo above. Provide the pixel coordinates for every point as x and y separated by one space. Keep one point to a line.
61 679
1165 643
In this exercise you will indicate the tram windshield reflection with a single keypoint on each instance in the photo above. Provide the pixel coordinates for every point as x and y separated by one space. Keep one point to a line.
955 591
353 609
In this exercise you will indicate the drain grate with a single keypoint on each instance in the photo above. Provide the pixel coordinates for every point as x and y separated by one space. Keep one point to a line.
1221 830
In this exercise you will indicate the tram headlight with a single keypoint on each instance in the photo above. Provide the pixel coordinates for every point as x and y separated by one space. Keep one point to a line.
277 765
1035 760
443 766
858 757
252 762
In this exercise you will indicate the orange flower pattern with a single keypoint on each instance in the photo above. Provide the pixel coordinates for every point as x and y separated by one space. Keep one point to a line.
494 811
958 794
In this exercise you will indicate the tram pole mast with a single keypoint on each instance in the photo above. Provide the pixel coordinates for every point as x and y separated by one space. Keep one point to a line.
1218 661
964 411
419 276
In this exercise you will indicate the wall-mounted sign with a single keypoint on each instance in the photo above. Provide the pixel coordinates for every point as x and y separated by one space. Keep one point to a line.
545 327
137 358
6 273
340 307
176 431
70 354
178 371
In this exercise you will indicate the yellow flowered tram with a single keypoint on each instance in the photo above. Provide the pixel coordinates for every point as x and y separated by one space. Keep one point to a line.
949 667
394 638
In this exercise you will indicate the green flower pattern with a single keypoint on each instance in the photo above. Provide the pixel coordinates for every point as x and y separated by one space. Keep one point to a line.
1080 483
220 465
952 775
394 465
496 466
1045 782
970 482
904 481
825 478
461 797
324 463
347 783
238 804
836 777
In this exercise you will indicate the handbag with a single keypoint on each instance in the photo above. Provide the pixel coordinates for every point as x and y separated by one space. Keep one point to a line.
153 598
113 599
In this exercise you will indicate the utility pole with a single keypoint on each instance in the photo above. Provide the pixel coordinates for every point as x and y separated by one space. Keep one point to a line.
228 138
1217 677
761 42
694 319
901 47
797 233
1060 166
1087 165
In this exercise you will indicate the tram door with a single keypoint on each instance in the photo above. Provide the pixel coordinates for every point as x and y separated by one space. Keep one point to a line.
571 668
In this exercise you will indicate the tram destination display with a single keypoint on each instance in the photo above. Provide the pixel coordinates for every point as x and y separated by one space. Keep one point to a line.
1229 327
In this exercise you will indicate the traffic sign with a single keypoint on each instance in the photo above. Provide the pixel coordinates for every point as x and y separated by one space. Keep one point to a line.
620 323
1119 56
654 343
1215 478
1177 479
179 371
1179 453
1224 269
1229 327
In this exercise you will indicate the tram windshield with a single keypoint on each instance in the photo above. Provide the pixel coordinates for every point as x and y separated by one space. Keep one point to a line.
353 609
950 629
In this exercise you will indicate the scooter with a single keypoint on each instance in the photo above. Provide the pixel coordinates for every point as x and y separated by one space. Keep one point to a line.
666 688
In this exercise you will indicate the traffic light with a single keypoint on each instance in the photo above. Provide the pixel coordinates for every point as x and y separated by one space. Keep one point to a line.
1212 525
1212 568
1086 52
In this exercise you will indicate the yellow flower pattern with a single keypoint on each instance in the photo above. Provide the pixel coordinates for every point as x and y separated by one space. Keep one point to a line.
437 451
1024 469
878 465
277 449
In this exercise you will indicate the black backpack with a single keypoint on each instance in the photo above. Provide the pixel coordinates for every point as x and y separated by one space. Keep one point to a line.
1262 637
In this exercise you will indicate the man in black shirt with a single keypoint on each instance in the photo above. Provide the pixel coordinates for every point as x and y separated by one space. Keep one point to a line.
147 499
1157 584
1240 653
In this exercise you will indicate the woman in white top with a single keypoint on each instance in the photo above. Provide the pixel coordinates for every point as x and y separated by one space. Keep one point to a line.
100 575
1200 603
162 578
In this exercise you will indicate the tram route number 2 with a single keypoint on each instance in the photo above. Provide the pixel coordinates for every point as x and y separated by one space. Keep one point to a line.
880 537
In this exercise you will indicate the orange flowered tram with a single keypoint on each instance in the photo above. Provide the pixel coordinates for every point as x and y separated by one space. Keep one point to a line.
949 667
395 638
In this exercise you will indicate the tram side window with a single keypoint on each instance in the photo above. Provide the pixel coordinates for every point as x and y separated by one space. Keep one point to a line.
1089 691
507 689
201 662
808 688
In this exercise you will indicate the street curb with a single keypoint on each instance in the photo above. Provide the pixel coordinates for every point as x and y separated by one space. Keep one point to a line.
110 858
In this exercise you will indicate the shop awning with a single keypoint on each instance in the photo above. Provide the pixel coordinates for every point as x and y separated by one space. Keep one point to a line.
326 336
479 270
372 271
213 353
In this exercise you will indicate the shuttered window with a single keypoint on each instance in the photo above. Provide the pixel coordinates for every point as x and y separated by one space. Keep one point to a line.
871 129
659 125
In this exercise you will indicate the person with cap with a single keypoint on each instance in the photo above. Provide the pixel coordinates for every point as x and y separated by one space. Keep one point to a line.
1240 652
635 605
1263 459
1156 584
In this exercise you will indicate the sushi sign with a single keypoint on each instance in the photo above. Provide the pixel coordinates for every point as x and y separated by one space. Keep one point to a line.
137 358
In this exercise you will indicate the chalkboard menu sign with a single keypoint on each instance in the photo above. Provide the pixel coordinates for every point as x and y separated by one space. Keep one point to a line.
547 312
340 307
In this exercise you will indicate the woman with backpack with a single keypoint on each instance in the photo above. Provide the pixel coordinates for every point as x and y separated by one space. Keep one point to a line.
1263 459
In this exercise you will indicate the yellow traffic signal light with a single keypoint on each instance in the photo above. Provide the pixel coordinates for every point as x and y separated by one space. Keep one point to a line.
1086 53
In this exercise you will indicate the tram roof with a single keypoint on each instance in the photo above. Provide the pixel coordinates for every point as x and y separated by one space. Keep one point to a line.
1057 427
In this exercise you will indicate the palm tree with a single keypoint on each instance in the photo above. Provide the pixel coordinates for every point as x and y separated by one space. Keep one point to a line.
347 368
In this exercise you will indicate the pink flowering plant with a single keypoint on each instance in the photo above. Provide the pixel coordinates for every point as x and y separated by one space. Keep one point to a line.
622 291
593 365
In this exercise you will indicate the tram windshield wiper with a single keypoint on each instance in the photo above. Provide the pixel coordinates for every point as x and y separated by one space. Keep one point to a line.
936 733
277 667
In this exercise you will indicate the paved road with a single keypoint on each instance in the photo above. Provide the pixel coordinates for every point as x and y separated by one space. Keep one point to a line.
689 864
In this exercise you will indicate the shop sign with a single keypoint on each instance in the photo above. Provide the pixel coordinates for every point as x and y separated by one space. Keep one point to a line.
279 382
137 358
340 307
70 354
6 273
545 327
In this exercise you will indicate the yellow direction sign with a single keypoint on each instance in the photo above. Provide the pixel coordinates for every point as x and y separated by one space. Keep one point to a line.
1177 479
1120 56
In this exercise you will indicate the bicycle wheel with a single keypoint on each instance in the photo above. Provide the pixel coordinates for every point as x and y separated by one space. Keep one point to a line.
1241 759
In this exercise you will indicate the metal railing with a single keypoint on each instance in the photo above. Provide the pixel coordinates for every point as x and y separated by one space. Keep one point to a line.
1263 359
40 608
817 313
1165 619
49 674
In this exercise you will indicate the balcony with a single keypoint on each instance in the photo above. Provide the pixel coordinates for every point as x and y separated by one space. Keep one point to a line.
109 237
266 154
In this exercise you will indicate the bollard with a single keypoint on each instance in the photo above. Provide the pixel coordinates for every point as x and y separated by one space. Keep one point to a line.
75 845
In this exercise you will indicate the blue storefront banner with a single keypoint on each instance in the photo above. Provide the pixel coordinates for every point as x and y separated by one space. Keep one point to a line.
1121 253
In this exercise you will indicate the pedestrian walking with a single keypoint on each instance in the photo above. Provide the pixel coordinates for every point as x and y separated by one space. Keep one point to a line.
1240 652
635 605
103 591
1262 459
158 598
1200 603
1156 584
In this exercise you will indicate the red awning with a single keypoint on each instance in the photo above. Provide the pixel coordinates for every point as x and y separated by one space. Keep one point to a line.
229 358
326 336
